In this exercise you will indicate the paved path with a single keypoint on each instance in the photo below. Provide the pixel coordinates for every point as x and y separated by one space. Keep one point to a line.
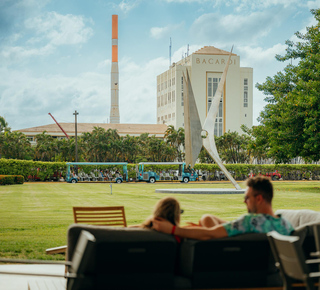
202 190
20 282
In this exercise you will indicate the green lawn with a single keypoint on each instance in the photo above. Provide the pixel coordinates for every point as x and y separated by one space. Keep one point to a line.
36 216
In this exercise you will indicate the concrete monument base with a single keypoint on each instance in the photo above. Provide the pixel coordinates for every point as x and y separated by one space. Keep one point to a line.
202 190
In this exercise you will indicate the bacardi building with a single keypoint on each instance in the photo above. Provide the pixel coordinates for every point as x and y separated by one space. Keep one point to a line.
205 68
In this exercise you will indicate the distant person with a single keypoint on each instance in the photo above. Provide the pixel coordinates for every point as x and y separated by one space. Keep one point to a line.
260 217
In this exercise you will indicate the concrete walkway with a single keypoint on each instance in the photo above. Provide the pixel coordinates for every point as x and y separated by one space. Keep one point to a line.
20 282
201 191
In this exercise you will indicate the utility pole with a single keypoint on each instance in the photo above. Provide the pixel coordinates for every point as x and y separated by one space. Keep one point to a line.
76 134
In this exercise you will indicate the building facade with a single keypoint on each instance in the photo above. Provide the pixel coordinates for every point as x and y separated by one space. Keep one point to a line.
205 68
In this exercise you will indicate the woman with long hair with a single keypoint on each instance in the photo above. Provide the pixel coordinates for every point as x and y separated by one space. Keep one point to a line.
167 208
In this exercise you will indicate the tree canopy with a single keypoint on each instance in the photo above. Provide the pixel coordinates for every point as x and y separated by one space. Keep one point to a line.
292 115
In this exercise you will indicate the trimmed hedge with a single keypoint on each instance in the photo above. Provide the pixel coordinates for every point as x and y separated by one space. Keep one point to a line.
33 169
287 171
11 179
49 170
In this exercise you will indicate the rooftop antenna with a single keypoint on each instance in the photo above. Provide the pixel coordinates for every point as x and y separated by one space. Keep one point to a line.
170 52
188 50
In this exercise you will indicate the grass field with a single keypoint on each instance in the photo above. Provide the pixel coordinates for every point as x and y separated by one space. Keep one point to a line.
36 216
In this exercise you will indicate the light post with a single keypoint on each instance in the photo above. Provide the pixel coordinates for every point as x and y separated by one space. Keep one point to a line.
76 134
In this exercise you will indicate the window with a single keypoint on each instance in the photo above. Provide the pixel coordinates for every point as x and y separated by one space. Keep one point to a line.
169 117
169 97
182 103
245 99
173 81
158 101
245 93
212 88
173 116
166 99
158 119
161 100
173 96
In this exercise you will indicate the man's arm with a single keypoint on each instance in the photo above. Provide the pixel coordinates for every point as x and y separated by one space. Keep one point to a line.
198 233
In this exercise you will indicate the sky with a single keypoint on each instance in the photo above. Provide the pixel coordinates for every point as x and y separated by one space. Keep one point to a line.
55 55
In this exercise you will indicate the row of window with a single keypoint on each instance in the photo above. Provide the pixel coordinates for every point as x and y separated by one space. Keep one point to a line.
166 99
33 138
245 93
166 84
167 117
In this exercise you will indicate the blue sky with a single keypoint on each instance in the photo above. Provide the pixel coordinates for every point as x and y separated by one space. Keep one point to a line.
55 56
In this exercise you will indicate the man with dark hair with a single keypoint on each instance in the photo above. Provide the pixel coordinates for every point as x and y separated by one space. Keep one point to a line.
260 217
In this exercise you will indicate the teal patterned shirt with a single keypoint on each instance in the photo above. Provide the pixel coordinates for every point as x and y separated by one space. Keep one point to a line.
258 223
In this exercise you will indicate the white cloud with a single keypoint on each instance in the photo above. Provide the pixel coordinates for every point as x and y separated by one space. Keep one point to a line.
256 56
234 28
182 51
313 4
60 29
160 32
46 33
18 53
26 99
186 1
138 93
128 5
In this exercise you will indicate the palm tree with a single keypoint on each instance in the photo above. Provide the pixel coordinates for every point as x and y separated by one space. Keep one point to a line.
4 125
175 138
45 148
15 145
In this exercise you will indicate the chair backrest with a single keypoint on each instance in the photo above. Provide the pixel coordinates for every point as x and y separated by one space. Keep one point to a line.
127 258
84 249
103 216
316 232
288 254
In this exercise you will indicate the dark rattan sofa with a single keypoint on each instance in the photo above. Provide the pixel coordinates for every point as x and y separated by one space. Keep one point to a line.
131 258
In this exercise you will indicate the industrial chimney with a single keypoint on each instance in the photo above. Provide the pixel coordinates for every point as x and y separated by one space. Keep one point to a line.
114 111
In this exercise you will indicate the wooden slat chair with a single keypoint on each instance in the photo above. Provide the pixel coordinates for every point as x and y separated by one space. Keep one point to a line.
102 216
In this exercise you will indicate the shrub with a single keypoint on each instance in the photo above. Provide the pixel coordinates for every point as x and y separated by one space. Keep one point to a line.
11 179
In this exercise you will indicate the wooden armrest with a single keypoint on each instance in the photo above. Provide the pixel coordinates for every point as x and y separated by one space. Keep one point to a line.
56 250
314 274
315 254
315 261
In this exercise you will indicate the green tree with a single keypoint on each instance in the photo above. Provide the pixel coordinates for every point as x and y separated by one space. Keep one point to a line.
175 138
258 142
232 147
45 149
15 145
292 115
4 127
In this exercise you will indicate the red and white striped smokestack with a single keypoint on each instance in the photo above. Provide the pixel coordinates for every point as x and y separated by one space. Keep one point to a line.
114 111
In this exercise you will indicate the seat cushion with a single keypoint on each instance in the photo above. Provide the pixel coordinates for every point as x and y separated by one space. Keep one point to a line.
299 217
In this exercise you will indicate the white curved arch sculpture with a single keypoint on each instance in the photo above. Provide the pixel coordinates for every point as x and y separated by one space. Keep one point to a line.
193 137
